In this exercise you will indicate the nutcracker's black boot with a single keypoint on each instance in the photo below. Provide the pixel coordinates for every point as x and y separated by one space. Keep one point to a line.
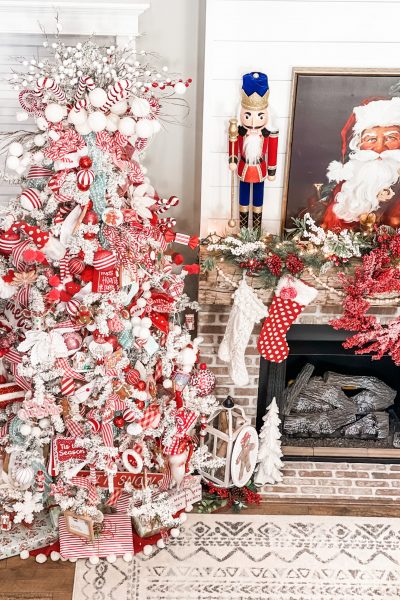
257 218
244 218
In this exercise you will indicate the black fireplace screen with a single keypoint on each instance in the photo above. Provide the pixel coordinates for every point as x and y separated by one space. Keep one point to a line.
329 396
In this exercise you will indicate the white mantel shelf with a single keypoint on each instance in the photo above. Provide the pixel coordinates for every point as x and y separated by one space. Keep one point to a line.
77 18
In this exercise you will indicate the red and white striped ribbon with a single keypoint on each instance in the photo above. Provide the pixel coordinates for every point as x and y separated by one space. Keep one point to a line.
17 253
21 381
64 269
86 483
23 294
75 429
62 363
36 172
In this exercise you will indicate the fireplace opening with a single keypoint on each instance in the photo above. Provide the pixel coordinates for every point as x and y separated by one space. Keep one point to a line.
332 402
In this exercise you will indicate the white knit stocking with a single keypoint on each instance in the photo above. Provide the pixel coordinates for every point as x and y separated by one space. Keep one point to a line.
247 310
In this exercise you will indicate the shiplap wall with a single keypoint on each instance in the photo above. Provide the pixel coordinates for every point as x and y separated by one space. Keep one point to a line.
275 36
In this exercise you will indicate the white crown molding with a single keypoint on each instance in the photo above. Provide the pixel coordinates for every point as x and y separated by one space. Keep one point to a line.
87 17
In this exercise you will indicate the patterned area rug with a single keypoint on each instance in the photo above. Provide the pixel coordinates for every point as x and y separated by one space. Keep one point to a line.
254 557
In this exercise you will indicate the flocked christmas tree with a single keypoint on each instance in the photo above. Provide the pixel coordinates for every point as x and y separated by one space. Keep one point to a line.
269 457
99 372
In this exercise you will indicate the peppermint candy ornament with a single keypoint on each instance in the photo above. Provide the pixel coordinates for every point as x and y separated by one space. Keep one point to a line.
203 380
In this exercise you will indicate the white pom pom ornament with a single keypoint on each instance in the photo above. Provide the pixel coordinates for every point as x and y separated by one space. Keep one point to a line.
77 117
12 163
16 149
144 128
97 121
127 126
112 122
119 108
41 558
140 107
147 550
97 97
54 112
180 88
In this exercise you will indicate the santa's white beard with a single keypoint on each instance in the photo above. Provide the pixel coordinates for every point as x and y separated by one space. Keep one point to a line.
366 176
252 147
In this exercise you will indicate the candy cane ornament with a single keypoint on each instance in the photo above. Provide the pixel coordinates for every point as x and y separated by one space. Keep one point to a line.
84 83
116 93
46 83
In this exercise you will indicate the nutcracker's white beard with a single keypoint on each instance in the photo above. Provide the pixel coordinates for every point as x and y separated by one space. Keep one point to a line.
252 147
364 177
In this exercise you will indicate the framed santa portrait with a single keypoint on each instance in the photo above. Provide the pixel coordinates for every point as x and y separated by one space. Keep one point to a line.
343 155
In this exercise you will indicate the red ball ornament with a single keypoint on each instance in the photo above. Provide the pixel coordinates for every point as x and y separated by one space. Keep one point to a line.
140 404
85 162
87 274
132 377
89 236
177 259
119 422
82 188
72 288
202 366
90 218
113 340
64 296
84 178
8 241
140 385
76 266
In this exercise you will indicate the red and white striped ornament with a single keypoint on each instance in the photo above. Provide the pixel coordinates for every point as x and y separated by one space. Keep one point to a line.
76 266
104 260
8 241
72 307
129 415
132 376
85 178
30 199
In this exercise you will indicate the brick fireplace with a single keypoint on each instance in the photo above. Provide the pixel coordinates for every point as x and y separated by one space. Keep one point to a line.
318 473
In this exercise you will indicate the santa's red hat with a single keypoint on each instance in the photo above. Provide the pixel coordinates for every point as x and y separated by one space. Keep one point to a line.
372 112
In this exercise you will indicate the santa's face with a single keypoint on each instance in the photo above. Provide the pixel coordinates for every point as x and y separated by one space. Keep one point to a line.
253 120
380 139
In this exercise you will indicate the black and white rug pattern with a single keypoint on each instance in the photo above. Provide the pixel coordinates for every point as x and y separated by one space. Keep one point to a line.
254 557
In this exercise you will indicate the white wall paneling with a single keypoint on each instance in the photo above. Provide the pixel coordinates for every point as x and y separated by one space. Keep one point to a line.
274 37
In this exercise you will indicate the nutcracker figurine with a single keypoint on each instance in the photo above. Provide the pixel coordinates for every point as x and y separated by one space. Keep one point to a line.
253 146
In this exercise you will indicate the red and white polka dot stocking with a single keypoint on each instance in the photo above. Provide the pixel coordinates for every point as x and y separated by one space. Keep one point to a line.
291 296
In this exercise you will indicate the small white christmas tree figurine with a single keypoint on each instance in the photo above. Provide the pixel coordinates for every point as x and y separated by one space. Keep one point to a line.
269 452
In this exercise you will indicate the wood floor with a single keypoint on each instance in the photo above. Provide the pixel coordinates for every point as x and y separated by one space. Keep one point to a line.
27 580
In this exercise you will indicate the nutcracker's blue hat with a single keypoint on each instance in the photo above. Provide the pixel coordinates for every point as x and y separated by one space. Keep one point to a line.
255 91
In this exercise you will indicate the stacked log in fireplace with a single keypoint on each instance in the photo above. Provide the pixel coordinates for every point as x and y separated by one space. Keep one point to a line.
336 405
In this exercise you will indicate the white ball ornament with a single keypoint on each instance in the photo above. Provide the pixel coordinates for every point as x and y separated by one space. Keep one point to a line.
77 117
94 560
144 128
147 295
160 544
112 122
54 113
167 384
126 126
36 431
140 107
44 423
146 286
188 356
38 157
42 124
25 429
180 88
175 533
148 550
54 135
136 330
41 558
83 129
141 303
97 121
144 333
97 97
24 475
119 108
39 140
127 557
16 149
134 429
146 322
12 163
24 554
112 558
